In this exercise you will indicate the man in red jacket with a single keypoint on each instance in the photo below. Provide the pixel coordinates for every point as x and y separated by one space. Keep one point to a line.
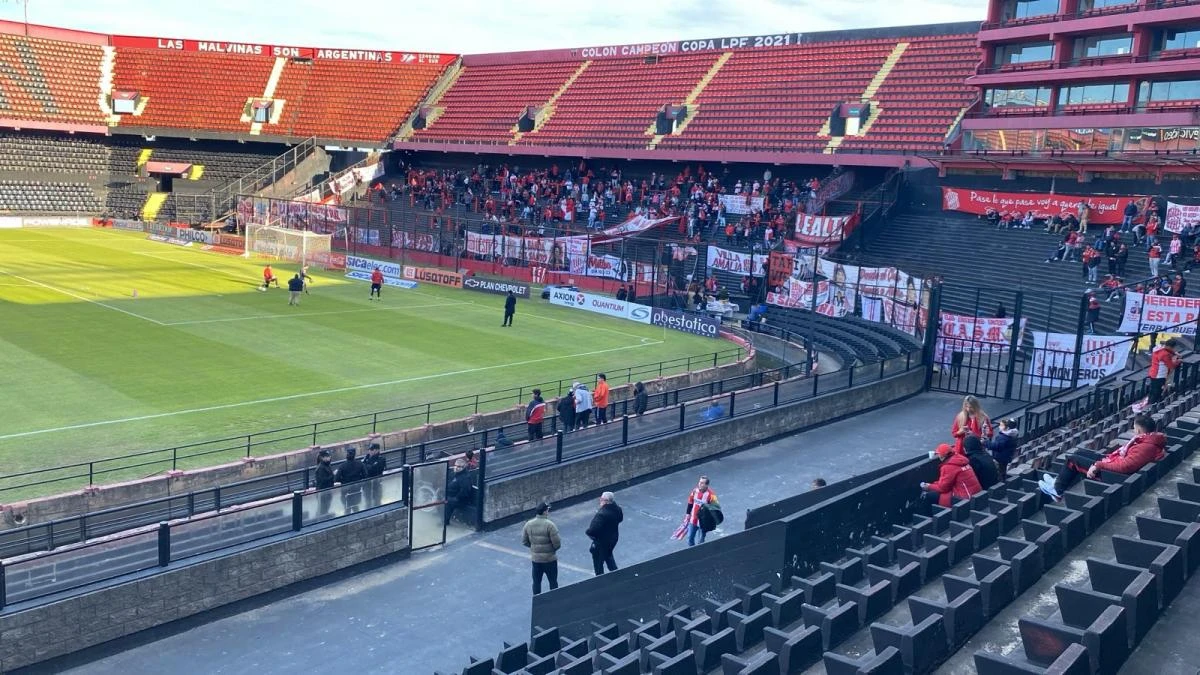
1163 362
956 479
1147 445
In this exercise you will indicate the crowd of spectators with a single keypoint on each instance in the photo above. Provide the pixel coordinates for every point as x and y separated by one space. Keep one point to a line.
581 198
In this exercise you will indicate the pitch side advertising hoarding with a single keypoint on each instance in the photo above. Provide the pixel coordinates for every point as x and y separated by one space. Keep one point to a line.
361 268
496 287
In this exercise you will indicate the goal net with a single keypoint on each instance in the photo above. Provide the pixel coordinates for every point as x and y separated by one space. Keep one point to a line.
280 243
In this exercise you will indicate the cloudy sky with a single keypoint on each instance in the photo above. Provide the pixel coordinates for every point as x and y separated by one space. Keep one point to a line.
478 26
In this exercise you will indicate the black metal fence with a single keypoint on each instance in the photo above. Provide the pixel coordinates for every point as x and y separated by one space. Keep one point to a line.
194 455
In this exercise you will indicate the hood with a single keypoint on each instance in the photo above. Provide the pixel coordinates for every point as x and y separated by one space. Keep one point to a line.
1157 439
1010 432
956 460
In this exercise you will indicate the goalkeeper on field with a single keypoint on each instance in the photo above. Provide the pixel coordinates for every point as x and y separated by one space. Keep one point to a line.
305 278
269 277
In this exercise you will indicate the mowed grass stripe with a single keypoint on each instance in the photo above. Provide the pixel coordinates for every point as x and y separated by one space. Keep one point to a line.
90 371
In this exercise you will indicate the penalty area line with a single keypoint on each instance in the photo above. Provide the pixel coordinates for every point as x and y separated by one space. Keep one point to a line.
312 394
85 299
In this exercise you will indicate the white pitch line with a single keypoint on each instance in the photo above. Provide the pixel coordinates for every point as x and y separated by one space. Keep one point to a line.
291 316
525 555
228 270
325 392
80 297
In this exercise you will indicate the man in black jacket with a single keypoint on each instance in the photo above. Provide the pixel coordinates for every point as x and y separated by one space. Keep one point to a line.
351 470
604 533
374 464
460 490
323 479
510 308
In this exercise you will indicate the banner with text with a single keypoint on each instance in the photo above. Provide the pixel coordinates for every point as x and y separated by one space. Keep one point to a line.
1151 313
735 261
1054 358
820 230
1105 210
434 276
958 333
1179 215
600 304
360 268
278 51
741 204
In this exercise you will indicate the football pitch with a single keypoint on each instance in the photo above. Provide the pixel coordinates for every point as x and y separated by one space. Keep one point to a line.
111 344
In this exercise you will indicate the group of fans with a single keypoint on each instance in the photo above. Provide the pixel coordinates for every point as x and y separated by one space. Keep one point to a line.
981 453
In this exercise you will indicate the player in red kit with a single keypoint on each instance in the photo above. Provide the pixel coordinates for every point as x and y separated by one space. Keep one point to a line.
376 285
268 278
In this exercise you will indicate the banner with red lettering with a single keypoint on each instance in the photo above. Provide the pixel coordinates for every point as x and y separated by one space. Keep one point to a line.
1179 215
1054 358
780 266
799 294
735 262
1151 313
1105 210
958 333
818 230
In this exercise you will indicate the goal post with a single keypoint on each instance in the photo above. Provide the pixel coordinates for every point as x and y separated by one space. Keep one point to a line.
280 243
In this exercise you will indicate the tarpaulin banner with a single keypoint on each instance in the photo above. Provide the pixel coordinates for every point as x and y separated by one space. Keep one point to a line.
1054 358
969 334
1105 210
1151 313
1179 215
830 190
434 276
817 230
735 261
781 265
741 204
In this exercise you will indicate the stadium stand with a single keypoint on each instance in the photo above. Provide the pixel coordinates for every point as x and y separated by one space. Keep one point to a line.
48 197
486 101
190 90
613 102
362 101
80 155
1007 582
921 97
780 98
50 81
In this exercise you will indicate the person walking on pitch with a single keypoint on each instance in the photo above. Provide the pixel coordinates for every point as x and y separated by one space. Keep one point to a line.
295 287
376 285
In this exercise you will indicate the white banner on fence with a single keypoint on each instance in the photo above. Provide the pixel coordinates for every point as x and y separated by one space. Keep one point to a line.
958 333
358 267
741 204
1151 313
735 262
1053 362
1179 215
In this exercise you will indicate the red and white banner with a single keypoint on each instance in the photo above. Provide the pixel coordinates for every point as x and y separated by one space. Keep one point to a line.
831 189
278 51
735 262
969 334
818 230
1104 210
799 294
1151 313
1054 358
741 204
635 225
612 267
1179 215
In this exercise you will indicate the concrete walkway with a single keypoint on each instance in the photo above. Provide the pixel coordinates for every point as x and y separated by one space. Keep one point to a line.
433 611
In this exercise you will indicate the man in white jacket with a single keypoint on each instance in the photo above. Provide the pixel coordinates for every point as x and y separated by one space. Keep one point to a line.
583 405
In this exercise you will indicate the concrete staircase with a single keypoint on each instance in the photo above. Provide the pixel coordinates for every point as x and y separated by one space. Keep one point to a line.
107 65
692 107
439 89
868 95
547 110
154 202
268 93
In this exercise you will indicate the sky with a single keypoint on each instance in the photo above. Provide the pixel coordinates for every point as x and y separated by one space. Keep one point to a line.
478 26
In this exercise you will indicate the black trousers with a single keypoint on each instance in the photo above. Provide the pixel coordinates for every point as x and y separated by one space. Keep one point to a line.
508 316
1078 463
602 555
550 570
1157 386
535 431
601 414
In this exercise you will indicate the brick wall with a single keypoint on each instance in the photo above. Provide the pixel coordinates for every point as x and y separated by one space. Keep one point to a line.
39 633
511 497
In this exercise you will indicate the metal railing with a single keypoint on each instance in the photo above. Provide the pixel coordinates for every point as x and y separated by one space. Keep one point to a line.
193 455
158 546
221 200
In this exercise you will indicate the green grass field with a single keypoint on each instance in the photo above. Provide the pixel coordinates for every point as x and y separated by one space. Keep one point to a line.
91 371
